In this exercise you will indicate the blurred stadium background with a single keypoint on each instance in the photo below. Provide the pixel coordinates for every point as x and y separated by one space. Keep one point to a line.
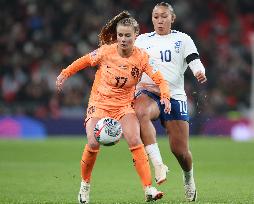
39 38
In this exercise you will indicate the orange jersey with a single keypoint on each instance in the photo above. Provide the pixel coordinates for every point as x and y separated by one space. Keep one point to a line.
116 77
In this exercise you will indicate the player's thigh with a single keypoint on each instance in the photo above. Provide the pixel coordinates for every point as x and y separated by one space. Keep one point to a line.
90 125
178 131
131 129
146 107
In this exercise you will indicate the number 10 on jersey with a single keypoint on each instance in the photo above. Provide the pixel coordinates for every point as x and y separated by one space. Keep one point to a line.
165 56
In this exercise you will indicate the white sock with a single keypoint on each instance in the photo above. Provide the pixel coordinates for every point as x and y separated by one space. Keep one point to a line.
154 154
188 175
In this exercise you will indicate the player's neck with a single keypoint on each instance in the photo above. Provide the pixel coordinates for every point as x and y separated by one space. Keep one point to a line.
163 33
125 53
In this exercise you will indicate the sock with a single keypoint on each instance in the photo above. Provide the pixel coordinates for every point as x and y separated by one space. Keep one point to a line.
141 164
188 175
87 163
154 154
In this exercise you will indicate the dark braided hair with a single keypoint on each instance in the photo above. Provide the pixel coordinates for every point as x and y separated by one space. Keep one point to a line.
108 33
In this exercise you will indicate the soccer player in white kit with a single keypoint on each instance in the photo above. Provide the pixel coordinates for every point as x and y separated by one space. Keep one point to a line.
171 52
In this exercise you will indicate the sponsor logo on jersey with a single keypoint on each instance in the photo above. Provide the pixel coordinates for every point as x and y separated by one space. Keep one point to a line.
123 66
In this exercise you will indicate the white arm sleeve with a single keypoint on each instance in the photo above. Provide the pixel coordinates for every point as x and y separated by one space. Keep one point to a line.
196 65
189 47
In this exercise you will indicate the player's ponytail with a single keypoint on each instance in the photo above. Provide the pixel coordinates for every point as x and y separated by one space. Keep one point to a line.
108 33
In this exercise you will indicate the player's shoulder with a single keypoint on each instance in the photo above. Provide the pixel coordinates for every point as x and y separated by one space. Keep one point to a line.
140 52
140 56
144 36
107 48
180 34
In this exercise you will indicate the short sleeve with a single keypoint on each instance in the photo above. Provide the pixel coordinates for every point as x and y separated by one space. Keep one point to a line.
189 47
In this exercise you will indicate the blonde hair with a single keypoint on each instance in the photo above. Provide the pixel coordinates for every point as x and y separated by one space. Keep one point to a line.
108 33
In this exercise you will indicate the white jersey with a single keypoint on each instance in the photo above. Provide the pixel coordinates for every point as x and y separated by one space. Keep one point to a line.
167 53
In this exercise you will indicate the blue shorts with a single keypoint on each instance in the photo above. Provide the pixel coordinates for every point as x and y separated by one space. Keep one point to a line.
179 109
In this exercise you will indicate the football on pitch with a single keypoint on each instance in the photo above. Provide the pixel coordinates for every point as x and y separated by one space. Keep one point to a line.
108 131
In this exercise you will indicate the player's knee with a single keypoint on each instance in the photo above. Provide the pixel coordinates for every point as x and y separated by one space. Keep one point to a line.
142 113
135 141
94 145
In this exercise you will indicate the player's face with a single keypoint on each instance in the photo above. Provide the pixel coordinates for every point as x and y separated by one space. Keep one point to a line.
125 37
162 20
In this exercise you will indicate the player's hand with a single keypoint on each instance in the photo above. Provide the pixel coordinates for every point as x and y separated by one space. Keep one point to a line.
201 77
167 104
60 81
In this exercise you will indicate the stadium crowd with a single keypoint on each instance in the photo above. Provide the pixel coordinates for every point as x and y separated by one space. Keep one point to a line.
39 38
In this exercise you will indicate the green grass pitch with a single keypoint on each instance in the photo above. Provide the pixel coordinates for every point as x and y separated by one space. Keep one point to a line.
47 171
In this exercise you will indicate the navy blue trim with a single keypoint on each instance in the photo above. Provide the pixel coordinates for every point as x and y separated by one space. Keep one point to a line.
192 57
174 114
151 35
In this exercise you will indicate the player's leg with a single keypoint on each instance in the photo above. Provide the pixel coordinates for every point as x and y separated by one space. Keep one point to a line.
88 159
131 131
147 110
179 144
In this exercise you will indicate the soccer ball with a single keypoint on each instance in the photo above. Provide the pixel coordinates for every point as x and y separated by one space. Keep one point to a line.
108 131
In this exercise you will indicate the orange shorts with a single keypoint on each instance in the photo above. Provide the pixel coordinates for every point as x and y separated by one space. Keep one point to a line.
116 113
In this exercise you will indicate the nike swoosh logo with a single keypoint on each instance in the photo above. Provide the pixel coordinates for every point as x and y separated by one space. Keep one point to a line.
99 131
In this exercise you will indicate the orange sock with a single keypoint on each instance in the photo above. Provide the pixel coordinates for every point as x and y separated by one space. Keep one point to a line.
87 163
141 164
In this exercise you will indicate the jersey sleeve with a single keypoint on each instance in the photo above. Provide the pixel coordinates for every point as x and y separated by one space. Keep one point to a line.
192 57
91 59
151 69
189 47
139 42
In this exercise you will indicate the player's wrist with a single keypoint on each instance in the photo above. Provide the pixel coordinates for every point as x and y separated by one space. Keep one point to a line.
65 73
165 96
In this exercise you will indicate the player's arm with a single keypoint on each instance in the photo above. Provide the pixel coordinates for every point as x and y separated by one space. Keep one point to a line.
196 67
157 77
77 65
90 59
193 60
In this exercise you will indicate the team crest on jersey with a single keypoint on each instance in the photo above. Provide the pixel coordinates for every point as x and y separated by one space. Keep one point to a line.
178 45
135 72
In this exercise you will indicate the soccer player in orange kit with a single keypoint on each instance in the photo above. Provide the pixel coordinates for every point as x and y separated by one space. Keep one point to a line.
120 66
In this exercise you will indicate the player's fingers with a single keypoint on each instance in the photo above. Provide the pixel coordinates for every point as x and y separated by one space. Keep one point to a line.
167 107
200 77
203 80
58 86
59 82
167 104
